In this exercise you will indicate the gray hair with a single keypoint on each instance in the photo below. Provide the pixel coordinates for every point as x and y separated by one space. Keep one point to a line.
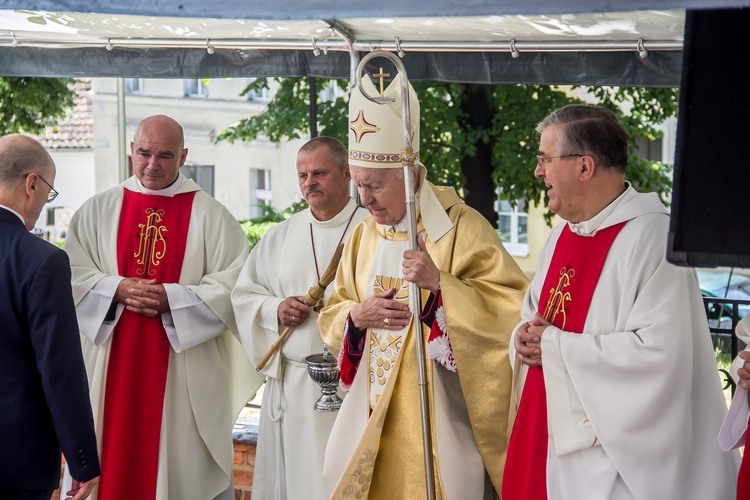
337 153
591 130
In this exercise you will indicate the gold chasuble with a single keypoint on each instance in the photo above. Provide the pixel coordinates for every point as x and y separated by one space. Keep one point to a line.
375 450
150 245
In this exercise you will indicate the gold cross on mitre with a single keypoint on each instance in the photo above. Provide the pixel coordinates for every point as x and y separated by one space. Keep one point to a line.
381 75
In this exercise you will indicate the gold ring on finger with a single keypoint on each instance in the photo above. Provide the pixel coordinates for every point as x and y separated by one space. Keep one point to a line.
387 321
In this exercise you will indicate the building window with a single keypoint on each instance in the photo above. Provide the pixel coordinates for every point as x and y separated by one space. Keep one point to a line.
260 191
51 216
257 95
203 175
513 226
196 88
134 85
649 150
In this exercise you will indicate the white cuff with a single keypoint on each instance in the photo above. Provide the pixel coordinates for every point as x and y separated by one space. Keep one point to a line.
569 426
92 310
189 321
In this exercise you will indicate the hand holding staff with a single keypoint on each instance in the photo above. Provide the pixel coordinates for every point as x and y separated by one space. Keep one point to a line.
314 294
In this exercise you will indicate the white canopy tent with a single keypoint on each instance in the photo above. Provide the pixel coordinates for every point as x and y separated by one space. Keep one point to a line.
615 47
598 42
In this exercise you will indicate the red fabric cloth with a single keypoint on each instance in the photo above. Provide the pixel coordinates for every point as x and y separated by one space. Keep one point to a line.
150 245
565 299
743 479
351 354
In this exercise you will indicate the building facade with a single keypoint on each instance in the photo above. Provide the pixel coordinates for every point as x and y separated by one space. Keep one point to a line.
242 176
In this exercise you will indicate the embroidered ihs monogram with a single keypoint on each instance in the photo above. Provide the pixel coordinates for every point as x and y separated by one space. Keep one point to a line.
152 246
559 298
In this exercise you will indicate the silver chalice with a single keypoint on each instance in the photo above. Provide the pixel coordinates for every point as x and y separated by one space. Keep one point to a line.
324 370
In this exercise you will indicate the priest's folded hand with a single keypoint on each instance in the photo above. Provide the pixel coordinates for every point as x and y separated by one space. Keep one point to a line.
419 268
527 344
381 311
146 297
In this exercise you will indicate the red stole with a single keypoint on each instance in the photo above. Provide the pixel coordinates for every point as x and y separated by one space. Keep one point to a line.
743 479
568 288
150 245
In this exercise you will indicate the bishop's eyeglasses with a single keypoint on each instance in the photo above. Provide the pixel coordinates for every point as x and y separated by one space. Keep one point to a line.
52 192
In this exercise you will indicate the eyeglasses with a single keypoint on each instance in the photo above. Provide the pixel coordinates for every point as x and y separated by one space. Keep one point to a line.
52 193
542 160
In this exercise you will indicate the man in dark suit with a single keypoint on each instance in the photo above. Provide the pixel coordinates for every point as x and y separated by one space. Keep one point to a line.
44 399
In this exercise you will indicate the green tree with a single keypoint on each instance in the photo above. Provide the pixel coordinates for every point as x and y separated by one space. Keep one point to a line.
28 105
476 137
255 228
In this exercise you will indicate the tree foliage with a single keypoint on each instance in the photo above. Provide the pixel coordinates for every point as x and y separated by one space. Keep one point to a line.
458 151
28 105
256 227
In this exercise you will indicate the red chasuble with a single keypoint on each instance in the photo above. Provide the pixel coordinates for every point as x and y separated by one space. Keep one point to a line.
564 301
150 245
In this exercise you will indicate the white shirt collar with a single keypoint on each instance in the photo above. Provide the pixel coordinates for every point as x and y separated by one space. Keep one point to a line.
589 227
167 191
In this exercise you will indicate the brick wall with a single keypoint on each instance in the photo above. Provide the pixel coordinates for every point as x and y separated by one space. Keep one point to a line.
243 468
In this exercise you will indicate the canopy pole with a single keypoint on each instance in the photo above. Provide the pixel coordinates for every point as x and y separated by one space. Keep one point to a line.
122 152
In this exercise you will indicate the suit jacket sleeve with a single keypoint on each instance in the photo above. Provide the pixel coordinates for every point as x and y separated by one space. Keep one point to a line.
54 336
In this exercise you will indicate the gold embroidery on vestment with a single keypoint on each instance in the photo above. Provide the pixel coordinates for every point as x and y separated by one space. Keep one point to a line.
385 283
361 477
385 346
360 126
152 246
558 298
384 349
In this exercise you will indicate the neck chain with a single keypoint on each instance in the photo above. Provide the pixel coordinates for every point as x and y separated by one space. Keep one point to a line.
312 240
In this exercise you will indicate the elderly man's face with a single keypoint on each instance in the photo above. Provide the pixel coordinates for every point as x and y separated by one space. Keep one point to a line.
381 192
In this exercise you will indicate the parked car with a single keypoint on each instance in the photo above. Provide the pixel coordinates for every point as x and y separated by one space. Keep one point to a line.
724 284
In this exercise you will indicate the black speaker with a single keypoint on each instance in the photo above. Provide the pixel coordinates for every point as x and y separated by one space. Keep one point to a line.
710 220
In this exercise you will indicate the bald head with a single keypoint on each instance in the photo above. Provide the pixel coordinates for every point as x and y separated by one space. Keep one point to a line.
27 173
163 126
19 155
